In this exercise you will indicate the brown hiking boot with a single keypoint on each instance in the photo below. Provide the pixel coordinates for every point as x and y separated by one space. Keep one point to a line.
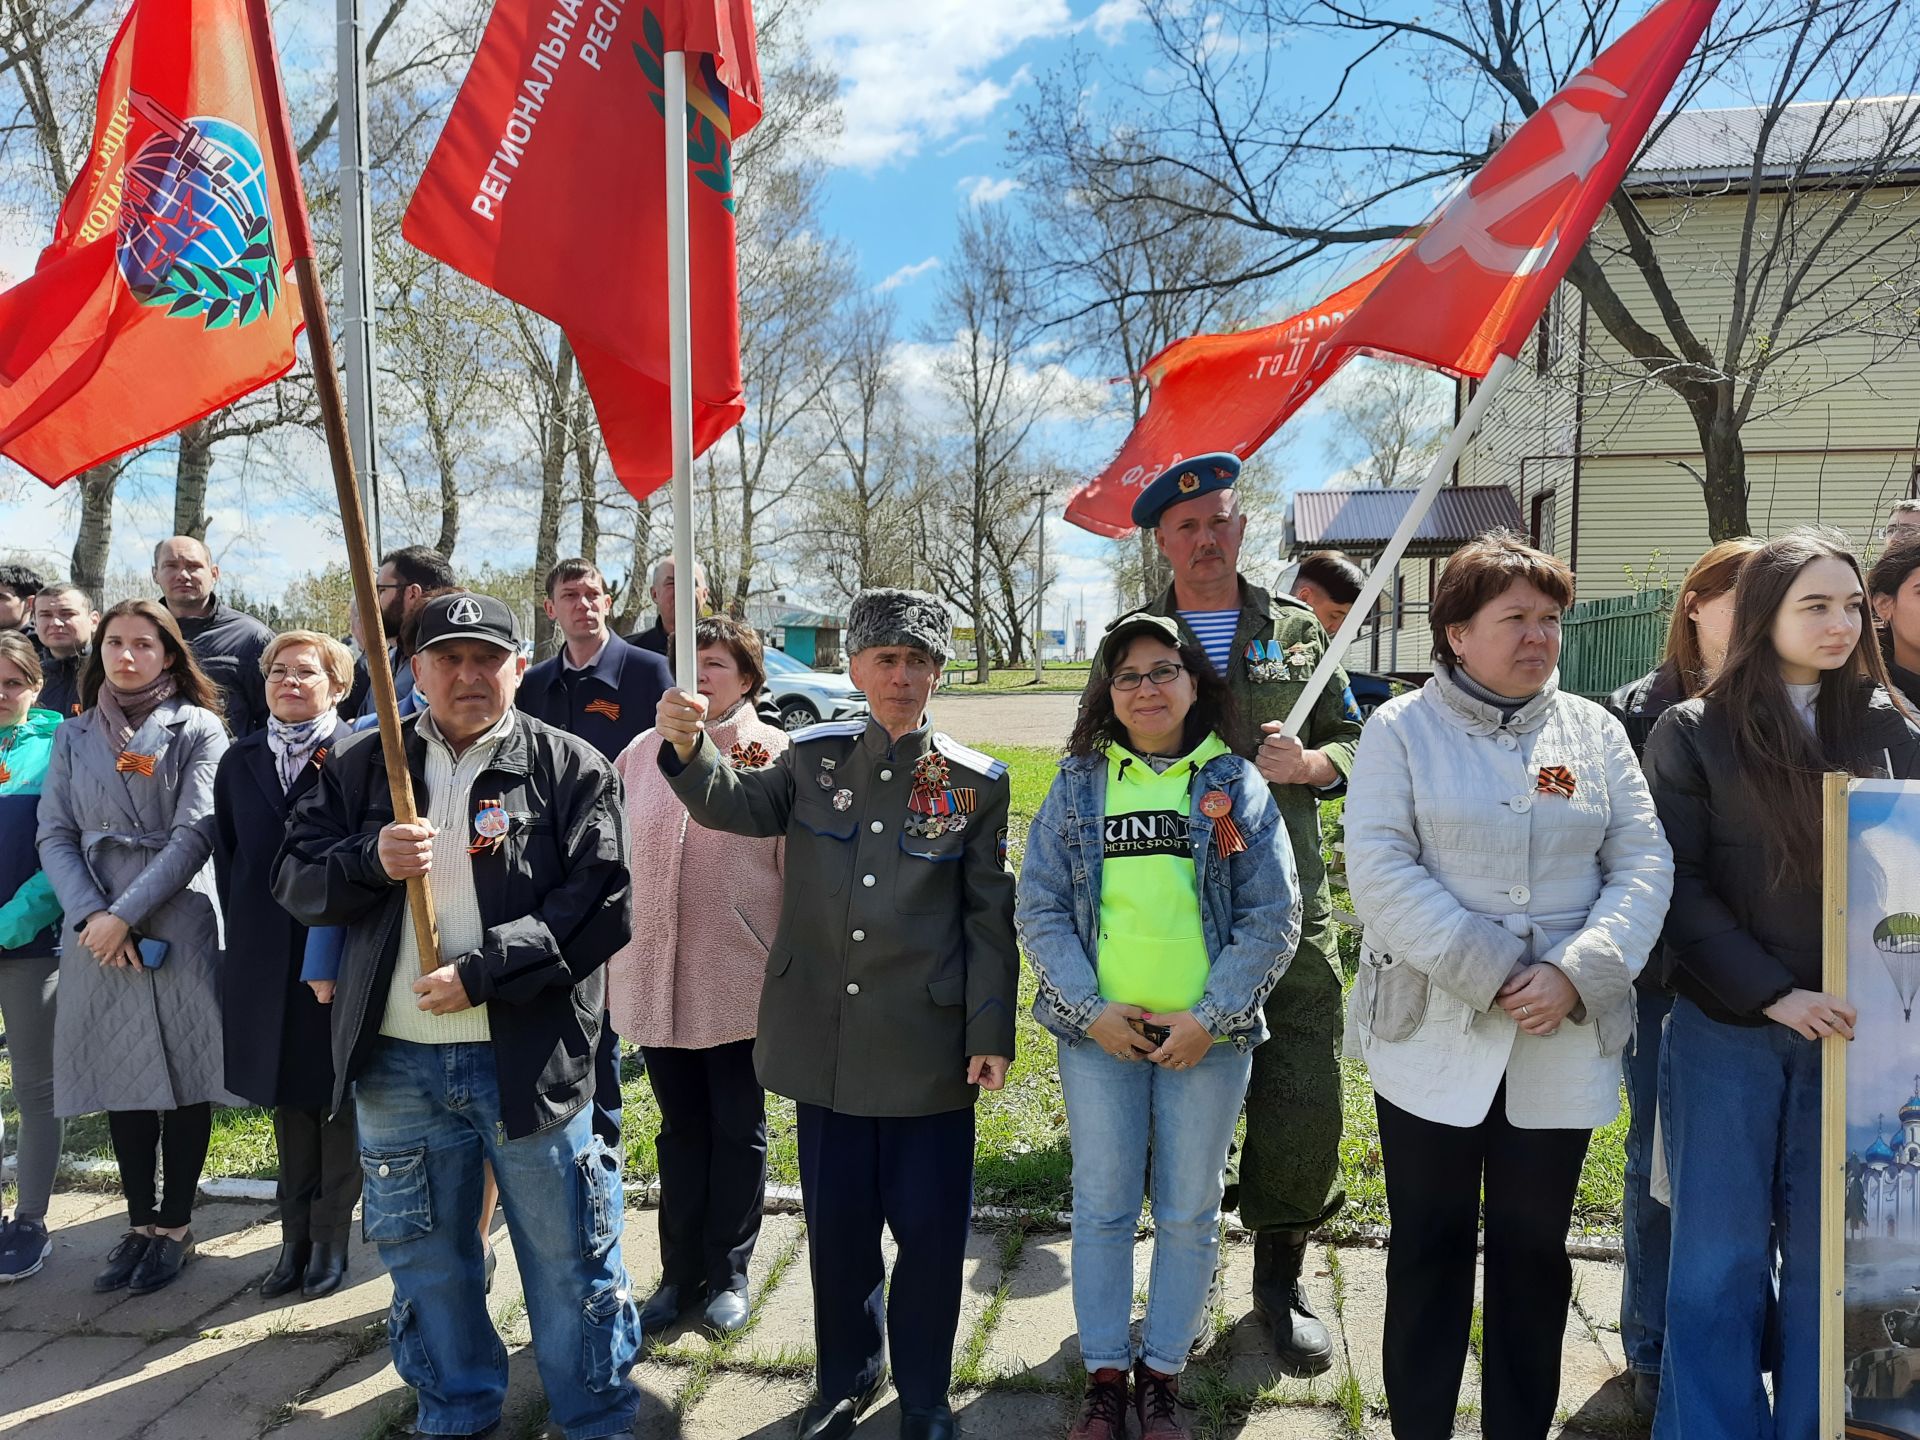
1105 1414
1157 1404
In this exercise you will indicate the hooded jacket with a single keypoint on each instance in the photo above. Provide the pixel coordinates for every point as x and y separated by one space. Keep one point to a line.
29 910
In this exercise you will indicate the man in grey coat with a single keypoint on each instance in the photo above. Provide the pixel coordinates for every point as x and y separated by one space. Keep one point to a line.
888 1000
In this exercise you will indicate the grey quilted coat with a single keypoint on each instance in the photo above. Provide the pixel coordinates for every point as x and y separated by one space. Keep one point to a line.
138 846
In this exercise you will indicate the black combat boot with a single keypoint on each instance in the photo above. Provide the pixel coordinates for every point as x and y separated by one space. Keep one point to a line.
1300 1341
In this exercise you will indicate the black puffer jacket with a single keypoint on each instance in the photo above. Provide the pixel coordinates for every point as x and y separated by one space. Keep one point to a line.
1736 941
554 898
1639 705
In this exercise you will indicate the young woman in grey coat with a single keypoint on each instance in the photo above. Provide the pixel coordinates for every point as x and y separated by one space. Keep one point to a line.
125 834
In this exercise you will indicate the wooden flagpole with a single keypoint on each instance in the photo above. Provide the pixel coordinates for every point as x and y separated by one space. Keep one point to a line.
333 414
1389 561
1833 1114
680 369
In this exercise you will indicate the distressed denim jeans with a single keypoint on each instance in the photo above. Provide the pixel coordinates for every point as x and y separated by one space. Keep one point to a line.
1740 1107
1116 1109
429 1114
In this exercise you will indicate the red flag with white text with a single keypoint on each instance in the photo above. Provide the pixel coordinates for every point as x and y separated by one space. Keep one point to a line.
163 294
1465 287
548 186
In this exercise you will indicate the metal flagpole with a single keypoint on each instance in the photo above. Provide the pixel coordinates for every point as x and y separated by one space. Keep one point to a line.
680 369
356 264
1389 560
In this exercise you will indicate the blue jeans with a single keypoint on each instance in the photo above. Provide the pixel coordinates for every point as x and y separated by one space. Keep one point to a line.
429 1114
1115 1110
1741 1111
1643 1292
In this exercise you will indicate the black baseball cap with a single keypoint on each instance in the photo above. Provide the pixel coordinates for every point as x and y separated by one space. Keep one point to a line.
464 615
1141 622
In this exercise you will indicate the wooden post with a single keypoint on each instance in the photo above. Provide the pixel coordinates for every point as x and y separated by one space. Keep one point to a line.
1833 1114
333 414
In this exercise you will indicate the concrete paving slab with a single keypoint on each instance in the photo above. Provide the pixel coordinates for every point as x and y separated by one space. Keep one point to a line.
53 1375
1288 1422
350 1402
1363 1311
250 1386
1037 1332
233 1245
1000 1414
784 1329
747 1407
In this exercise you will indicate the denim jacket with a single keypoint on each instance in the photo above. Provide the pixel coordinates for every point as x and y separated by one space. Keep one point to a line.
1249 903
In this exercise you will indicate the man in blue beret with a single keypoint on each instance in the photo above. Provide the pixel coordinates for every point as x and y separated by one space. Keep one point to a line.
1266 646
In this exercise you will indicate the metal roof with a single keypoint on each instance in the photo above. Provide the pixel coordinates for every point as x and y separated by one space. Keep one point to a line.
1361 522
766 615
1869 133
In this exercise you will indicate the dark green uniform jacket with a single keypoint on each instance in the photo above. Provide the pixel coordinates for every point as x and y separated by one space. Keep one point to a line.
895 958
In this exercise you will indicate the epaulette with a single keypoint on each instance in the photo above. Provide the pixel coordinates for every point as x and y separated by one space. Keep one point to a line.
966 755
828 730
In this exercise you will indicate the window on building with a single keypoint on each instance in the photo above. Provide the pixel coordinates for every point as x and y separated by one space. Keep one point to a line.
1542 530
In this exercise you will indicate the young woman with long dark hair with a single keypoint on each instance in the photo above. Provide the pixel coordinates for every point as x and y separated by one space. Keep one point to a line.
126 832
1736 776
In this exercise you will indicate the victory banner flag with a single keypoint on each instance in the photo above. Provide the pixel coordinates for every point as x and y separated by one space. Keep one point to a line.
547 183
163 296
1458 291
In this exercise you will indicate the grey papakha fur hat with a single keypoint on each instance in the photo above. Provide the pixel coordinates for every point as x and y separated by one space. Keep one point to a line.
900 617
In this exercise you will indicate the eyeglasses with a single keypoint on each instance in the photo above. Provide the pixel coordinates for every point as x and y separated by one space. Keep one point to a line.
1160 675
280 674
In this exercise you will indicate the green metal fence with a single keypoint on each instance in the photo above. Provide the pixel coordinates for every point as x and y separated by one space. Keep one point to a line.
1606 643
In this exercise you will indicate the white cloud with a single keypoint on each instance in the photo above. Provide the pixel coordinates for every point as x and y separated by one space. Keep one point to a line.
1114 17
907 274
914 75
986 190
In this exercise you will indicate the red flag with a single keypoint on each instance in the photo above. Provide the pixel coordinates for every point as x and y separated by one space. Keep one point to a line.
163 296
1219 392
1465 287
548 186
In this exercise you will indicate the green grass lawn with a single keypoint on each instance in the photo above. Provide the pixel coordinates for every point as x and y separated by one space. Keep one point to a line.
1023 1157
1059 676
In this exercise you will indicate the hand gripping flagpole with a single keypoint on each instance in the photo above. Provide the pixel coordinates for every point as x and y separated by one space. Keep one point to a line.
1389 561
680 370
333 412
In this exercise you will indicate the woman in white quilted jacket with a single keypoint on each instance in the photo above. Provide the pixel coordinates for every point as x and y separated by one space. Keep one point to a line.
1511 878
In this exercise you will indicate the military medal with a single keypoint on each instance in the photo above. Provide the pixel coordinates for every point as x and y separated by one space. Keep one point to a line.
1555 780
751 756
930 771
1217 806
1264 664
490 828
825 777
842 799
955 824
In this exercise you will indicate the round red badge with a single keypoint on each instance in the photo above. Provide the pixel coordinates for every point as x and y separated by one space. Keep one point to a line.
1216 803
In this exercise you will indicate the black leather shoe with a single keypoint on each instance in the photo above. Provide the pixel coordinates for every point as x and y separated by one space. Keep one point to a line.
325 1271
826 1419
288 1266
727 1312
122 1261
162 1264
666 1305
1646 1393
934 1424
1301 1344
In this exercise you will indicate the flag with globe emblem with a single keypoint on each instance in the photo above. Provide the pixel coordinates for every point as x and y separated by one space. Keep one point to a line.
163 296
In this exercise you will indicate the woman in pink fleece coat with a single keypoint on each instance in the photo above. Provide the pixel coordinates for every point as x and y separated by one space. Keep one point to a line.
686 989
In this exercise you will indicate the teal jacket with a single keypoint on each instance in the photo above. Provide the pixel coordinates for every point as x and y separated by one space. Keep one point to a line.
29 910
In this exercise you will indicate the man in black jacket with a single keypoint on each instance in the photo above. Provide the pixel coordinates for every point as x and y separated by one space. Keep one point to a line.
227 643
64 620
489 1054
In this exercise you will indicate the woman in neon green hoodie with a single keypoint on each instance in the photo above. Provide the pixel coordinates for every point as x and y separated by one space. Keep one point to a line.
29 967
1158 905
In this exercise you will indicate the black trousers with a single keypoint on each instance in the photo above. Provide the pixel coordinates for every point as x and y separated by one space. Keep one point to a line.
319 1173
143 1141
606 1087
713 1163
1435 1175
912 1175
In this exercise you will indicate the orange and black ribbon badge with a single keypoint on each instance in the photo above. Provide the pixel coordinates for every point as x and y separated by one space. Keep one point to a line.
490 827
319 757
1555 780
5 773
1217 806
129 762
608 708
750 756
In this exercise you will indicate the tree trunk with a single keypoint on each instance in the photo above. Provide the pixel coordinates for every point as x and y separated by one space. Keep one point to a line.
553 479
1155 575
447 464
190 480
95 538
977 596
633 596
1725 484
583 460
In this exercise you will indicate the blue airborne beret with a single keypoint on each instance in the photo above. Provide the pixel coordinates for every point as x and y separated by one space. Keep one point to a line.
1197 476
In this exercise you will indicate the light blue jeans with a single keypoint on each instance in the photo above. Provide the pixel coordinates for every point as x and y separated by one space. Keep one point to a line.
429 1114
1116 1110
1740 1107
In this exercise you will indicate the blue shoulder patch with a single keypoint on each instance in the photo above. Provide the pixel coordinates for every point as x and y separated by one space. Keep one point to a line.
966 755
829 730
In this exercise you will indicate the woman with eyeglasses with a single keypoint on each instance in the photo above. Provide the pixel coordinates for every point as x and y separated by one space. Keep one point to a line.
1158 905
278 1033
